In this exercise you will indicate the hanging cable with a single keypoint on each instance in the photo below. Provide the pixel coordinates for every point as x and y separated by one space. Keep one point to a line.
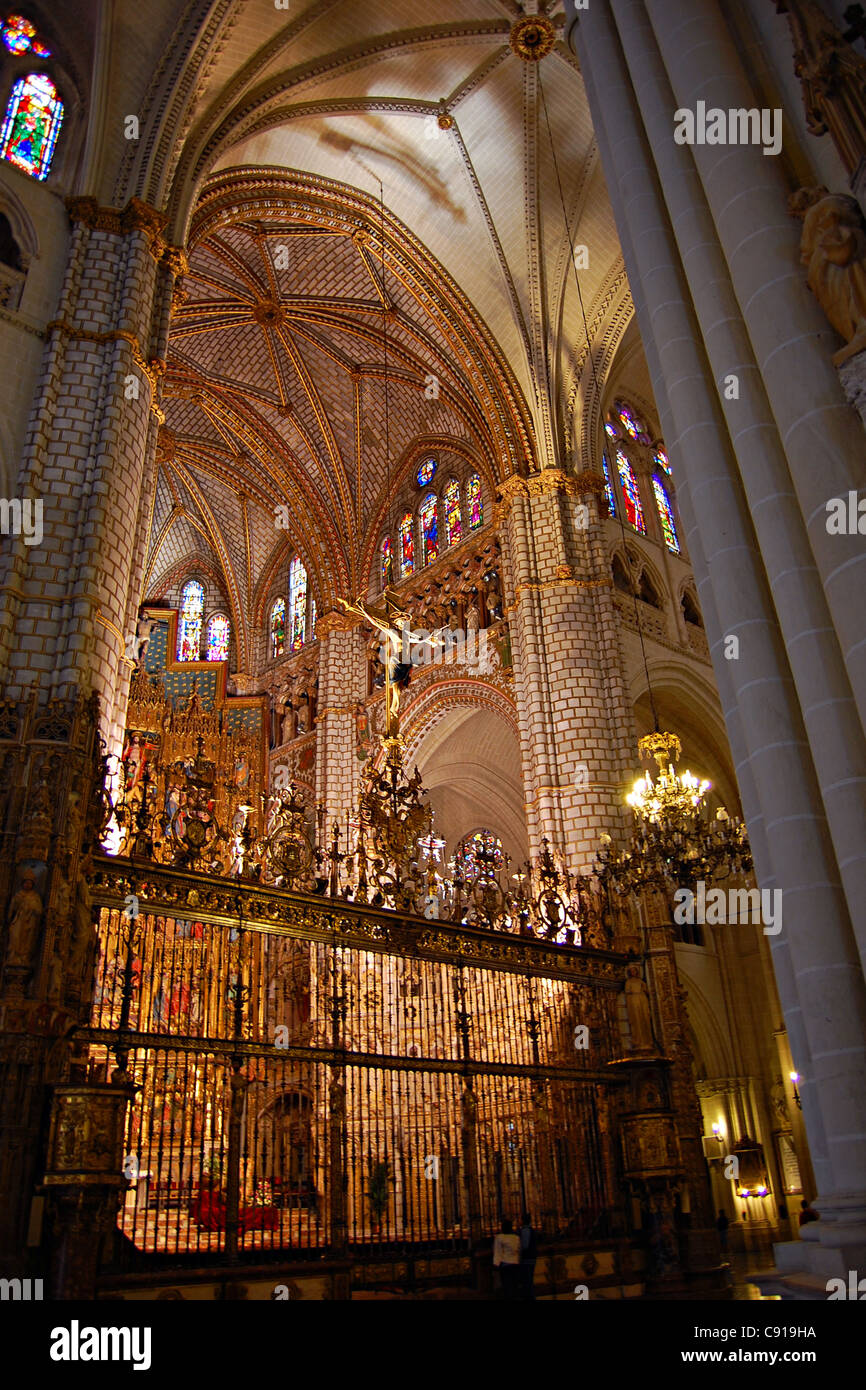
389 514
595 381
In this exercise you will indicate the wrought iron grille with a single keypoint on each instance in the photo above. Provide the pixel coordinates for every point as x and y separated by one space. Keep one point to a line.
312 1077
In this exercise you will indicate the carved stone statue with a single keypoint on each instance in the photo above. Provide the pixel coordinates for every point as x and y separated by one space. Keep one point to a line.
288 730
833 250
304 714
25 914
494 596
473 617
638 1011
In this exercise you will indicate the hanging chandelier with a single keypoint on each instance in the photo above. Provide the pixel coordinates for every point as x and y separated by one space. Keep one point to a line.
676 841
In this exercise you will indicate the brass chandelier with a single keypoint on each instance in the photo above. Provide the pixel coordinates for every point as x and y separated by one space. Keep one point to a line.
676 841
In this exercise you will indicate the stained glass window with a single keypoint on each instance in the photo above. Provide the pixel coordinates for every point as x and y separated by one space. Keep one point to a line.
278 628
480 850
218 638
407 545
425 472
18 34
666 516
630 494
31 125
429 519
611 430
608 486
297 605
189 631
453 519
387 563
629 419
661 459
473 498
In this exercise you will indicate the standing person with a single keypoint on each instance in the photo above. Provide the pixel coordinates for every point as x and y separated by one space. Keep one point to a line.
506 1258
722 1224
528 1256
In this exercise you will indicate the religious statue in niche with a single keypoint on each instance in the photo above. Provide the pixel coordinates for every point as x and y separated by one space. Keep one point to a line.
242 771
134 758
833 250
303 714
288 729
637 1006
493 597
25 914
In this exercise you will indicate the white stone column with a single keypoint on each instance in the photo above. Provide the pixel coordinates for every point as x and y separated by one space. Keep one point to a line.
792 341
835 733
781 955
825 964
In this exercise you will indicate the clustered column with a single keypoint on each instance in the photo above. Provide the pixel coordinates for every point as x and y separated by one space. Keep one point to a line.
708 243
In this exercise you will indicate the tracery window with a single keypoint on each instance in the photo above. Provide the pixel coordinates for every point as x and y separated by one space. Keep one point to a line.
297 605
387 563
425 472
453 519
480 849
189 630
407 545
474 503
661 459
218 638
429 519
611 430
608 486
630 494
19 36
666 516
278 628
632 424
31 125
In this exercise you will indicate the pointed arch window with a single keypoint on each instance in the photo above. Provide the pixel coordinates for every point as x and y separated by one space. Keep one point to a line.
278 628
666 516
633 425
608 486
474 504
429 519
387 563
189 630
407 545
297 604
453 518
31 125
218 631
661 459
19 37
630 494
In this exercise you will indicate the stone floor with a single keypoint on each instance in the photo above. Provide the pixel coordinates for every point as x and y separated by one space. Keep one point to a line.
743 1266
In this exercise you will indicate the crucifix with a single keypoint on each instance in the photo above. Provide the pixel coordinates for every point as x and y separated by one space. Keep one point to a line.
394 626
